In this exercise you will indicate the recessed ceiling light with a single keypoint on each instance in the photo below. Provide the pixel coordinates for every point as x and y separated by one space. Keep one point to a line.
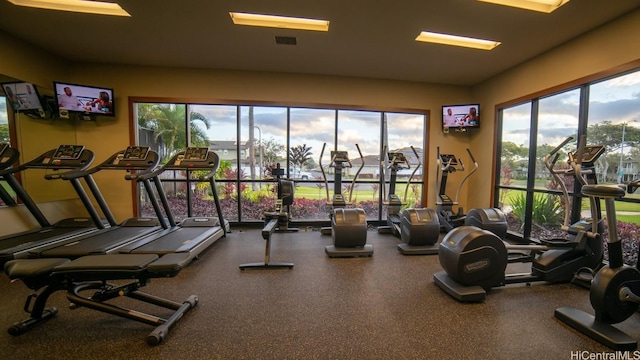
545 6
454 40
283 22
82 6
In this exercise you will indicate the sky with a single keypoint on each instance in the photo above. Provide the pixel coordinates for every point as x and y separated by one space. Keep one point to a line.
314 127
3 114
616 100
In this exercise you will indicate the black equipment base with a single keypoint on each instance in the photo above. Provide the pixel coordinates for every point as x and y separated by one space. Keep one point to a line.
603 333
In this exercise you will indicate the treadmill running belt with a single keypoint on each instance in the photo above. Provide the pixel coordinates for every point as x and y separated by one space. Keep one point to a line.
40 237
100 243
184 239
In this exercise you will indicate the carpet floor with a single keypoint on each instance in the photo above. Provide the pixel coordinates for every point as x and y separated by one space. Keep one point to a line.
382 307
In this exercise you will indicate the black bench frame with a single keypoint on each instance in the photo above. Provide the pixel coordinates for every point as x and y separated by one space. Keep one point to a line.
94 273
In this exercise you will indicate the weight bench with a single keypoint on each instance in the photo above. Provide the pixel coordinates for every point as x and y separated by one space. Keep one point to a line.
94 272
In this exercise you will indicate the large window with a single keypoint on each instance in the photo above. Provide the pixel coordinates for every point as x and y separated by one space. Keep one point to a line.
252 140
607 113
4 135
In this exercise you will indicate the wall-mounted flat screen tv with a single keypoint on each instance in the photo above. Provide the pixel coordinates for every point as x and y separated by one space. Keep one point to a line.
461 116
85 99
23 97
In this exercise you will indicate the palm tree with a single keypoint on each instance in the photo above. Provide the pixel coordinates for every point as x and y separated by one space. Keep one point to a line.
168 123
299 155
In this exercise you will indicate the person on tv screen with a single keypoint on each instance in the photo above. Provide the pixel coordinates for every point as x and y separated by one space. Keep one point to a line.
68 100
13 99
103 102
31 100
471 118
449 119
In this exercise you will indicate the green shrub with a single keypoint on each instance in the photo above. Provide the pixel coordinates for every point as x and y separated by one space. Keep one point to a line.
547 209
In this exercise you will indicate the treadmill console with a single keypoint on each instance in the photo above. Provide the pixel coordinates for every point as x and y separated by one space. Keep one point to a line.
194 158
66 156
68 152
196 154
8 155
135 153
133 158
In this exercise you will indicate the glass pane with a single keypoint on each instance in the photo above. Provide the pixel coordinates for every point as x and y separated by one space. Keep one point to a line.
310 129
516 131
4 121
361 128
614 121
4 138
557 120
215 126
263 136
514 165
404 131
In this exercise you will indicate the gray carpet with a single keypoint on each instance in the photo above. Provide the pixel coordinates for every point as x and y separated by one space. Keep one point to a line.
383 307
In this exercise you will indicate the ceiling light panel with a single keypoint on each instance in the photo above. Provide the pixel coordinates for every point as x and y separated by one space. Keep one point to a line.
282 22
454 40
545 6
82 6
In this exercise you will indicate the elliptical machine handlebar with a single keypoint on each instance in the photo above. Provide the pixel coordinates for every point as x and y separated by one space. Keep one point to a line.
550 165
415 169
353 182
324 175
633 186
464 179
471 156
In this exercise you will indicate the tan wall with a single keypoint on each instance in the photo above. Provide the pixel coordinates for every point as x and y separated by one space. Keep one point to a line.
598 51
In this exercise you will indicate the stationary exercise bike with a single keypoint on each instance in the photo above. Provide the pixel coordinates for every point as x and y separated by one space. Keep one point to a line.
615 289
418 228
277 220
448 164
475 260
348 225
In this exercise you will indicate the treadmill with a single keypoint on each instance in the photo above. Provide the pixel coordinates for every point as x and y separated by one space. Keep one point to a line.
194 234
65 157
138 159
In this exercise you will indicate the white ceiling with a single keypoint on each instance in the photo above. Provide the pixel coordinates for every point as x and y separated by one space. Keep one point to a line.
367 38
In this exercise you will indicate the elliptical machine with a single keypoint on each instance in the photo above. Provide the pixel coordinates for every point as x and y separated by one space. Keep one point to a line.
418 228
348 225
475 260
615 289
277 220
448 164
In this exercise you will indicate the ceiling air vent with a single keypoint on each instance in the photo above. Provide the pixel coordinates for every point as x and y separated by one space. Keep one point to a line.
286 40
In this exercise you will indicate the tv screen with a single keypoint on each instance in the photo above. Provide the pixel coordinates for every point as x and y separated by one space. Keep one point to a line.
461 116
22 96
84 99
